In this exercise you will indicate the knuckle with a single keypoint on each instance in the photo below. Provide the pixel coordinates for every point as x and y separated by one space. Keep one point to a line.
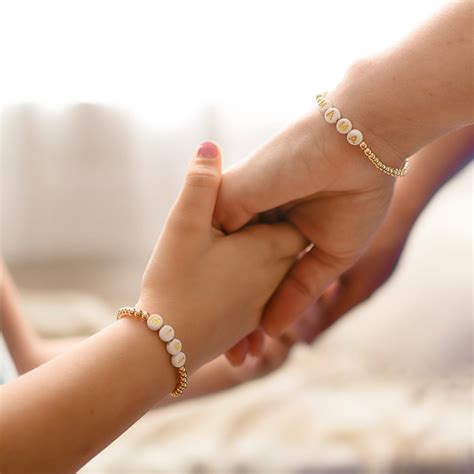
272 242
286 242
276 247
202 177
302 287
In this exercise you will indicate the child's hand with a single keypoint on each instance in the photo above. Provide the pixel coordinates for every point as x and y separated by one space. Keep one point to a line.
210 286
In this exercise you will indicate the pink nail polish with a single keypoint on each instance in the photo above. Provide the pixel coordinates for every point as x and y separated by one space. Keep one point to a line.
207 150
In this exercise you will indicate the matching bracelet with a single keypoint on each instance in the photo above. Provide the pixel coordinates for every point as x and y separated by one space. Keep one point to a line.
355 137
166 334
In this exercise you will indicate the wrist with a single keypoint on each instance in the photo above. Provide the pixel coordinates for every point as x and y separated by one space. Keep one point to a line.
400 107
357 151
177 320
372 113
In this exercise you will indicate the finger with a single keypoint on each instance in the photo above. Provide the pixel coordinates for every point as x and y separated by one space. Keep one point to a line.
274 355
301 287
217 225
236 355
337 300
342 296
195 205
307 326
256 341
280 240
283 170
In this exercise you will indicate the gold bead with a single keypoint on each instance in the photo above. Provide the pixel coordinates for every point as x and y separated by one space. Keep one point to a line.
375 160
182 374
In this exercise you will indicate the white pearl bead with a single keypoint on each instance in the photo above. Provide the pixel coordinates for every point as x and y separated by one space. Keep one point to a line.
166 333
344 126
154 322
355 137
332 115
323 104
178 360
174 346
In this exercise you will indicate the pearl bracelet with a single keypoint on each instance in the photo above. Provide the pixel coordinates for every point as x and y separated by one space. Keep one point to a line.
355 137
166 334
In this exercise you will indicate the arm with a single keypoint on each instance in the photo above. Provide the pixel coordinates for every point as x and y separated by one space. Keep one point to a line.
402 100
420 89
61 414
27 349
20 338
433 166
30 351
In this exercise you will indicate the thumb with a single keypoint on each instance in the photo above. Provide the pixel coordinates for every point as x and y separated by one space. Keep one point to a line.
196 202
287 168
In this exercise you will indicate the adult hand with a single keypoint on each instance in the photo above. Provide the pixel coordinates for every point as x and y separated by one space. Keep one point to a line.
357 284
326 189
447 156
401 101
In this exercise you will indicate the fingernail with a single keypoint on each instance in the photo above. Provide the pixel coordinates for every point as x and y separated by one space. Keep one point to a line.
207 150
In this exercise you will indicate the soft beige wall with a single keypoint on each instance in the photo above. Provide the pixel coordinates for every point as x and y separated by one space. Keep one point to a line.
89 182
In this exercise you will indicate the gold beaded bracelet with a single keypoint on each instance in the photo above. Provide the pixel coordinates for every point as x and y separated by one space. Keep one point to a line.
166 334
355 137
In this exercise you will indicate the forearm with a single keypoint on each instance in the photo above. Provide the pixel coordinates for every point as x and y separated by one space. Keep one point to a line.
50 348
85 397
27 349
417 91
20 337
432 167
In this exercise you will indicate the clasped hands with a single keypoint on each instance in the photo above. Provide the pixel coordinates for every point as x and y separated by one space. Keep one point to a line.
218 279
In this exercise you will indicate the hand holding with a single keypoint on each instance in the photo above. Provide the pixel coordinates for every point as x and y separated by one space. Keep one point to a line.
213 287
326 189
446 156
400 100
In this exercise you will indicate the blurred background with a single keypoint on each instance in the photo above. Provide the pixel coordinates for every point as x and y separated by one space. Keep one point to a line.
103 104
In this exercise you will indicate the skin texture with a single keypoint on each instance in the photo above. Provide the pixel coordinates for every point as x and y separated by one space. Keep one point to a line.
26 348
402 99
210 287
250 263
433 166
29 351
